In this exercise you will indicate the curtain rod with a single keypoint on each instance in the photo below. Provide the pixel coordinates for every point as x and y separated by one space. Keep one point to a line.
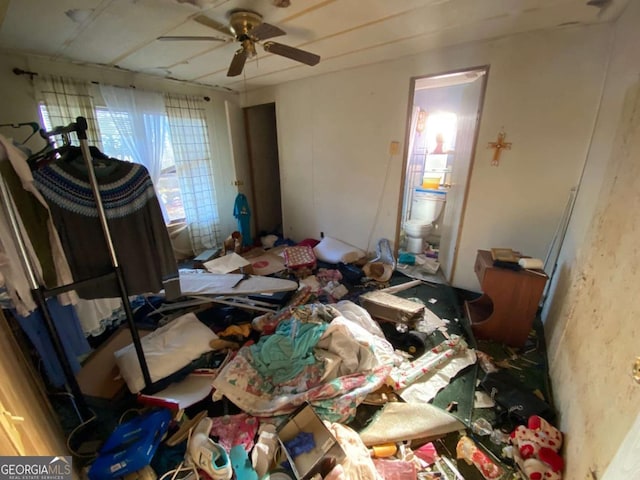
19 71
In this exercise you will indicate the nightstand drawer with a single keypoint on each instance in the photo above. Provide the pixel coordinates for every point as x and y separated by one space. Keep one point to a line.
483 261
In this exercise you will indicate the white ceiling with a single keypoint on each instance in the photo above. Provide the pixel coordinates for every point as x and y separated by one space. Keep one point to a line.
345 33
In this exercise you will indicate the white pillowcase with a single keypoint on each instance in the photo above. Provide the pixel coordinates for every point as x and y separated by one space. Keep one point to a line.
331 250
166 350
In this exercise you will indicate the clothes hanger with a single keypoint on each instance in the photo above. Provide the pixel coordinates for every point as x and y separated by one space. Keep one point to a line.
34 126
42 157
50 152
66 152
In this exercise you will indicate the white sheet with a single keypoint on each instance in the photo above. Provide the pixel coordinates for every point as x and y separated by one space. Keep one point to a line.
166 350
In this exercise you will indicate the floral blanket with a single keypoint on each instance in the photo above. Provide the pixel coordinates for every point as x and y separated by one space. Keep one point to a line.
244 382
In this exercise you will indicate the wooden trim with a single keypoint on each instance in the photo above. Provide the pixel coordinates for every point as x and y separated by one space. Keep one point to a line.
405 159
412 89
247 129
22 393
474 148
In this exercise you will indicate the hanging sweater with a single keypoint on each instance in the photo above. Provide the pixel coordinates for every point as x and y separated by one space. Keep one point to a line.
136 225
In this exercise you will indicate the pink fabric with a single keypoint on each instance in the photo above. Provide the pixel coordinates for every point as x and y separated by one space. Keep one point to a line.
232 430
395 469
427 452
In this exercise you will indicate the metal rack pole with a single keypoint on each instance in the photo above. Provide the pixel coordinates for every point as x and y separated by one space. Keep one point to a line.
81 131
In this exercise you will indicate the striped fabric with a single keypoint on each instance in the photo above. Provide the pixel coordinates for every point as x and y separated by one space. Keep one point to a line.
129 193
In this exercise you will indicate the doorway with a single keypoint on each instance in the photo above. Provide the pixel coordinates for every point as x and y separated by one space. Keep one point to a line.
442 129
264 167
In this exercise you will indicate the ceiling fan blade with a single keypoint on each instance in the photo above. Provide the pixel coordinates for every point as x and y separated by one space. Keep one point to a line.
237 63
266 30
292 53
211 23
188 38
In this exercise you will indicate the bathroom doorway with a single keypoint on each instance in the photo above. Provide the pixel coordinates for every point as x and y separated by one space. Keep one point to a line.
442 128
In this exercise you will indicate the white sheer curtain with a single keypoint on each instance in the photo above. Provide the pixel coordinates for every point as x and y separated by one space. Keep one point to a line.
141 121
190 142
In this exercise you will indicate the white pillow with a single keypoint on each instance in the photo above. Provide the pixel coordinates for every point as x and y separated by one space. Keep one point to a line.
331 250
166 350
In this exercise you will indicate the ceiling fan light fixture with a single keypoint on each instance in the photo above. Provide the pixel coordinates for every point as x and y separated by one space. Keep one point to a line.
249 48
243 21
247 28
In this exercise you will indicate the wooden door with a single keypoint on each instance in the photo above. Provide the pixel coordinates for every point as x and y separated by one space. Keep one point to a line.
262 144
451 225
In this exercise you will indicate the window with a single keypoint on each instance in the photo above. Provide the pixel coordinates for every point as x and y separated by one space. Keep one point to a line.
167 187
168 133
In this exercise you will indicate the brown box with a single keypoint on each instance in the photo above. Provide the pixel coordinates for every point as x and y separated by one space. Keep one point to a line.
99 376
326 453
384 306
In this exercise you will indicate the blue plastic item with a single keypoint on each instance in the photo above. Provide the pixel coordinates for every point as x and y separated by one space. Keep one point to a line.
131 446
407 259
241 464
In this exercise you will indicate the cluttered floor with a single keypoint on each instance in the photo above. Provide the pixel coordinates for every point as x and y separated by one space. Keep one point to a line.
357 374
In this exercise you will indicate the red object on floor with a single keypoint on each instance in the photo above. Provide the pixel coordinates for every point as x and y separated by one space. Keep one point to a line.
299 257
308 242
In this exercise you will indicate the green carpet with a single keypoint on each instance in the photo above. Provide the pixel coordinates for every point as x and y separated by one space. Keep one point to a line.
528 364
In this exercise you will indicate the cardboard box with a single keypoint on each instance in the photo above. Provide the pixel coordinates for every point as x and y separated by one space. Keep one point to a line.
326 453
385 306
99 376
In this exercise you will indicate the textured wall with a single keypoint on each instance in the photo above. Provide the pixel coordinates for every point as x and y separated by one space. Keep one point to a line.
591 320
592 358
334 132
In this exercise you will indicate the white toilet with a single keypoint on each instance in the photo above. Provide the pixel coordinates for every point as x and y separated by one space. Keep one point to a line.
426 206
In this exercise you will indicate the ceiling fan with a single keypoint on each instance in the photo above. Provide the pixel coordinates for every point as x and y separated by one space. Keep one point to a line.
247 27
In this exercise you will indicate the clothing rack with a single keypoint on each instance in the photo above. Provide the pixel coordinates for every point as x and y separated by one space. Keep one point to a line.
40 293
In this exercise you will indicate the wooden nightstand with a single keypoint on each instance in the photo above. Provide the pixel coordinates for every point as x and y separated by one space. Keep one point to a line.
506 310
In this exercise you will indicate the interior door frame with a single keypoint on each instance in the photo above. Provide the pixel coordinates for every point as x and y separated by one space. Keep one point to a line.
405 155
252 191
251 156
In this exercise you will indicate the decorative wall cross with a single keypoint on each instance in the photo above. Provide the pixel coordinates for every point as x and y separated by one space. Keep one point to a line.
499 146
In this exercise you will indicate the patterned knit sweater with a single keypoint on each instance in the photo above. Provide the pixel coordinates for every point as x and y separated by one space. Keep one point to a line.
137 228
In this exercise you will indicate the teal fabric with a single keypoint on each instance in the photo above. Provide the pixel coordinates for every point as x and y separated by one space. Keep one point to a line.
284 354
242 212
